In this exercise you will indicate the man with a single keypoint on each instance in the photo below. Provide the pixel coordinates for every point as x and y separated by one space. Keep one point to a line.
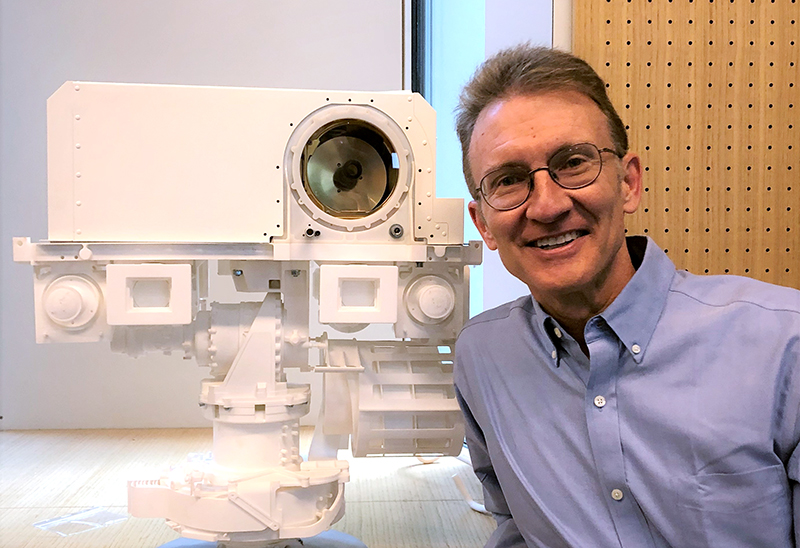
622 403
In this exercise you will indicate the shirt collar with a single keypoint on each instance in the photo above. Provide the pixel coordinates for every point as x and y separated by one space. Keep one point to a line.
545 327
635 312
633 315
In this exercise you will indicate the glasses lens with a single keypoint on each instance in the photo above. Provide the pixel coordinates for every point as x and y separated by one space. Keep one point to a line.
576 166
506 188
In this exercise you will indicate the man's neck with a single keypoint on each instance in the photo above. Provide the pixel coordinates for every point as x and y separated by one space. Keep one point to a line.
573 309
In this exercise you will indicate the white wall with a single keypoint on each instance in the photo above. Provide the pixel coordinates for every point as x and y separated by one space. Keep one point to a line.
464 34
456 49
509 22
310 44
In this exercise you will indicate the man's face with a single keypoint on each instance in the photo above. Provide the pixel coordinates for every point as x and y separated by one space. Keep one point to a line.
527 130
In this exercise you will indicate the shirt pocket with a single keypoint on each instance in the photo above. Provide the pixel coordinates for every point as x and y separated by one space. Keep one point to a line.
741 510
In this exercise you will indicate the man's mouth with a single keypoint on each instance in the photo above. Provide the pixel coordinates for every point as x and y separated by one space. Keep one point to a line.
561 240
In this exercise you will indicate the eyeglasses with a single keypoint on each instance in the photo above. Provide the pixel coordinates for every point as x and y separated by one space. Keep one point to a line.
571 167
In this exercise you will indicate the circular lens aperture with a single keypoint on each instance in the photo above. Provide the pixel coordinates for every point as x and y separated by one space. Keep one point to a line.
348 168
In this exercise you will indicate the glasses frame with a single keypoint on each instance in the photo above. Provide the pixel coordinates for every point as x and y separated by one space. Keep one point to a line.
553 176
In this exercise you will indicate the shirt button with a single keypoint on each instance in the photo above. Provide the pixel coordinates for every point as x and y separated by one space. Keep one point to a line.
554 354
616 494
599 401
636 348
557 331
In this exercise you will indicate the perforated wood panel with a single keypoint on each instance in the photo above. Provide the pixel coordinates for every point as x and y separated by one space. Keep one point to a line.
709 90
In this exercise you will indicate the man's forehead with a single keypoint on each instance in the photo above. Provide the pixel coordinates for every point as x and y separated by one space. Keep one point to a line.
542 101
565 116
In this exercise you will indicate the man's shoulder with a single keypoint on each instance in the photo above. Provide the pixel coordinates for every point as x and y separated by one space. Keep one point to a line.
487 340
727 290
504 313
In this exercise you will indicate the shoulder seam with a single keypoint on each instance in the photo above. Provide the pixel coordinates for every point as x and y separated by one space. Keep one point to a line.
734 301
477 320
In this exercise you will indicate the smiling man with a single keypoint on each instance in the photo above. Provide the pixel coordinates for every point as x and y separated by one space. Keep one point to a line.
622 403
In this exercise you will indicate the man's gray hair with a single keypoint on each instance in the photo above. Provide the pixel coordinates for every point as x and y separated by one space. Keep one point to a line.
528 70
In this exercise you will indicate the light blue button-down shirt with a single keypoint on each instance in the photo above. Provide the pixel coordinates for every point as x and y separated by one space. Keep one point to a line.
680 430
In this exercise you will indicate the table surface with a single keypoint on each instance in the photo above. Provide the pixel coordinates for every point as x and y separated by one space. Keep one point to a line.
391 502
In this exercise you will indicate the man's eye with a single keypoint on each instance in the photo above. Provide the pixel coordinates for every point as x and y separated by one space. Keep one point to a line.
505 180
574 162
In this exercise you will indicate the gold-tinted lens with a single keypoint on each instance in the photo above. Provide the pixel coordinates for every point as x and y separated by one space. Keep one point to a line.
349 170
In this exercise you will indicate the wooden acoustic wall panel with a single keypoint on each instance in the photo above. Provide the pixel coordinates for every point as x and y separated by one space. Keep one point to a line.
709 91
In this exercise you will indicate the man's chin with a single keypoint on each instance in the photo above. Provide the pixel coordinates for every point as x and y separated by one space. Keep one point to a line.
558 284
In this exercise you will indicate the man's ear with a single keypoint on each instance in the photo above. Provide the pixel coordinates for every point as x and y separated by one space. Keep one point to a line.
631 181
480 223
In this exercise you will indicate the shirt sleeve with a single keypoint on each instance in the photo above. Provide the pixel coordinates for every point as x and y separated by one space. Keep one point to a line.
790 399
793 472
506 535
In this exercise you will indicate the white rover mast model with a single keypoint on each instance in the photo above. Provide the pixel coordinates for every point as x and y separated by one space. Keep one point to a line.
321 203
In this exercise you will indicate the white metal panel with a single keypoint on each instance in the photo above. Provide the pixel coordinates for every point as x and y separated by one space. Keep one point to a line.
165 163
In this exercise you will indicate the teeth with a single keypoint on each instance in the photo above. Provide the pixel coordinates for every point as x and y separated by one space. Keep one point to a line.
557 240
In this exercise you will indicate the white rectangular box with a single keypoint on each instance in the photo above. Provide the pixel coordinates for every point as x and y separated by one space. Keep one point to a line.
357 294
160 163
149 294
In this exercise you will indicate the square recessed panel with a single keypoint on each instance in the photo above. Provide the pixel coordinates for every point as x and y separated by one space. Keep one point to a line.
358 294
149 294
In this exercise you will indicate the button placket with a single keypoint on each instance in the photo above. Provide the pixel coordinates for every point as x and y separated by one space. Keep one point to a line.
602 418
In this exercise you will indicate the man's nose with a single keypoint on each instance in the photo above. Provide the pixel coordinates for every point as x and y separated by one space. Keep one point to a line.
548 201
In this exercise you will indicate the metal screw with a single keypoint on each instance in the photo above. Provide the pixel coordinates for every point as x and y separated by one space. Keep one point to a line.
237 272
295 273
396 231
